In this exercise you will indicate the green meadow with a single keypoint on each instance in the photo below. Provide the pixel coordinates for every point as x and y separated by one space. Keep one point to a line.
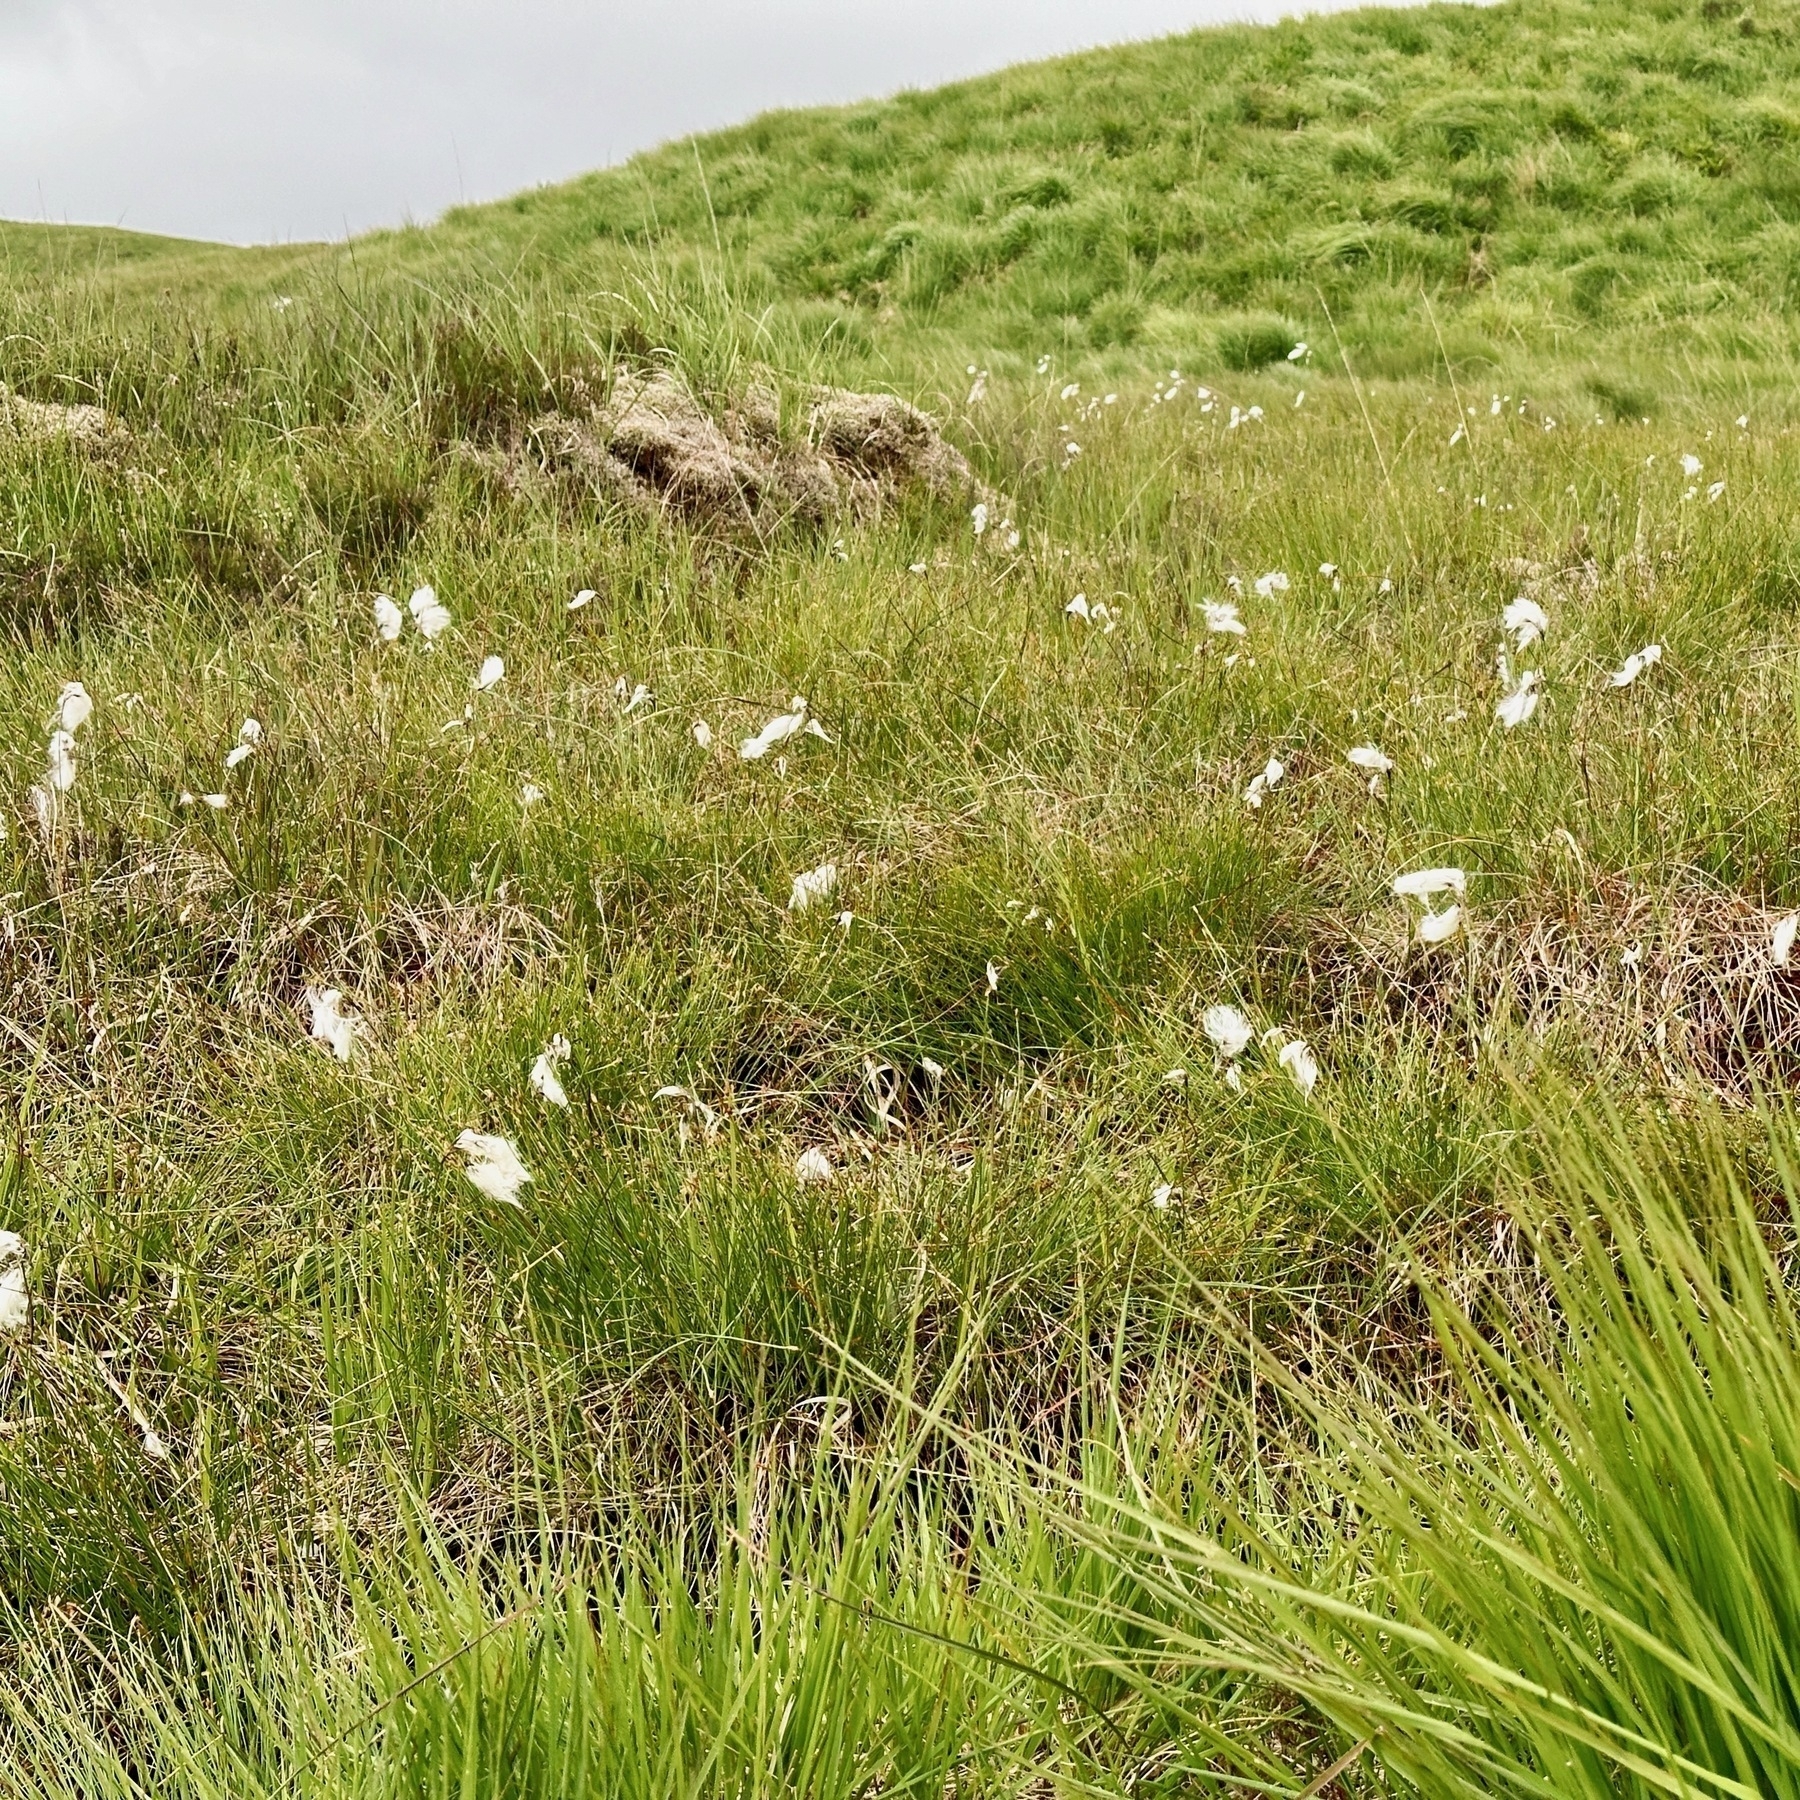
713 1080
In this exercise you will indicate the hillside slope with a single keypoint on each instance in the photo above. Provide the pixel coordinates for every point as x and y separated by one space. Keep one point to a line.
1552 174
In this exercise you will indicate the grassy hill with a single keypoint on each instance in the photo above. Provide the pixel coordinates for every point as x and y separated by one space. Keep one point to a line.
715 1088
1607 180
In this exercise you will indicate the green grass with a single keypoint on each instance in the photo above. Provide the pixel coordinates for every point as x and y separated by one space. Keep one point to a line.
1100 1423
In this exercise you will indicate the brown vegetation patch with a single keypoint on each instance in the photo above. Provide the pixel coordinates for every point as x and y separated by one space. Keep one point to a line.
1677 984
89 427
652 446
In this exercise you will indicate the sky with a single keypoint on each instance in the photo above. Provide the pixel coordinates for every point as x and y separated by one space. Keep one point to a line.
255 121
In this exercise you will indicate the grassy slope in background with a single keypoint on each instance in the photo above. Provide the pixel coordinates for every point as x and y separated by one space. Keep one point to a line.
615 1492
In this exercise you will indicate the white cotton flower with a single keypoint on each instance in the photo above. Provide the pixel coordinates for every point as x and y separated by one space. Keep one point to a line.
1070 390
1328 570
641 695
1781 941
15 1298
1229 1030
585 598
493 1166
1259 787
1298 351
978 517
1421 884
1518 705
1162 1194
530 793
59 769
1078 608
1524 622
543 1077
491 673
709 1120
331 1025
74 707
1275 582
429 613
1691 465
1222 616
812 1165
388 618
249 737
1369 759
1302 1066
1715 492
778 730
218 802
703 734
1437 927
993 977
1635 664
813 886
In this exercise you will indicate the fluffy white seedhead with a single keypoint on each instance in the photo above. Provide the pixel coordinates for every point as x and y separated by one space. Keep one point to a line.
978 517
545 1082
1422 884
249 738
1222 615
1302 1066
429 613
813 886
1275 582
778 730
1691 465
491 673
993 977
584 598
59 762
1524 622
1229 1030
812 1165
15 1299
1259 786
1635 664
1440 927
1369 759
331 1025
1781 940
388 618
1518 705
493 1166
703 734
74 707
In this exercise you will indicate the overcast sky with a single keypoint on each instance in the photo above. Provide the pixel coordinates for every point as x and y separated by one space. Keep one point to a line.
258 120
